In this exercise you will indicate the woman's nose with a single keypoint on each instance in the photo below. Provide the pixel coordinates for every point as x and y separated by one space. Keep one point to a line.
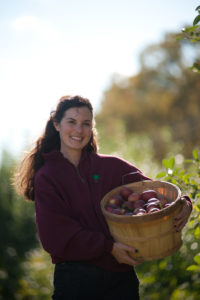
79 128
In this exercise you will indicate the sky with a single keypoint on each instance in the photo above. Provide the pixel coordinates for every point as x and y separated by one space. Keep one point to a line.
51 48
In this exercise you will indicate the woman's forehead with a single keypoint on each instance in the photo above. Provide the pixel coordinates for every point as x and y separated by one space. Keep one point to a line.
78 112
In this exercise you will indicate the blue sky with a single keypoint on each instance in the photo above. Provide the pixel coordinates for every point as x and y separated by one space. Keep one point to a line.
50 48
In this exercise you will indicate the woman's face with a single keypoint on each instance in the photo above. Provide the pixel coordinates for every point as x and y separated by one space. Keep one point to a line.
75 129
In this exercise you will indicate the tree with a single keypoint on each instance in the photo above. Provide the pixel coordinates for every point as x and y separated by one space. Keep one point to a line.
161 101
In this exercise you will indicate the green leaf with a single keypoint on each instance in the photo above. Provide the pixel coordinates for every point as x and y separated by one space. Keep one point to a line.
197 233
171 163
197 258
190 161
195 154
193 182
181 174
193 268
173 181
165 163
196 20
189 29
161 174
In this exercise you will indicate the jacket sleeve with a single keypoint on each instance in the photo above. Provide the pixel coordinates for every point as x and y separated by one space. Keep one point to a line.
60 234
128 172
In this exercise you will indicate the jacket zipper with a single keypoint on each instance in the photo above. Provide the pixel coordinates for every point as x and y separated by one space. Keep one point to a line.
79 175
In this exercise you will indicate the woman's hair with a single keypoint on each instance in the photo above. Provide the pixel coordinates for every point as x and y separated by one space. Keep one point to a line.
48 141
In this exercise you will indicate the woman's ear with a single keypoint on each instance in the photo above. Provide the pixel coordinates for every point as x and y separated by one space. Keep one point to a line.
56 125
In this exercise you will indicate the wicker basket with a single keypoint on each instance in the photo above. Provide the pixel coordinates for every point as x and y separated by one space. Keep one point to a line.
152 234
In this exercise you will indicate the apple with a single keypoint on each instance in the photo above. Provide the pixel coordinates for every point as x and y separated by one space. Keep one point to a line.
112 205
129 205
128 213
116 199
118 211
138 204
133 197
152 205
154 201
139 211
169 204
109 208
146 195
125 192
153 210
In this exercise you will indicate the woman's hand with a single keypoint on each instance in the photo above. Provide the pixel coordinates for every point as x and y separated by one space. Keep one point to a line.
120 252
183 215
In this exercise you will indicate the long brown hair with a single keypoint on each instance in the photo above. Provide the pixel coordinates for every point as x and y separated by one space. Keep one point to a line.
48 141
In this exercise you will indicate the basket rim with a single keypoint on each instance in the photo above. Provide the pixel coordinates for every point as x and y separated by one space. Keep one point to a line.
148 217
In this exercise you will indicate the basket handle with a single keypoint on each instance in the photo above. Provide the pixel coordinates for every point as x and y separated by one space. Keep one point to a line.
132 173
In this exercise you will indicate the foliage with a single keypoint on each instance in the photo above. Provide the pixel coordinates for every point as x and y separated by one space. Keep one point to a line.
17 234
36 283
178 277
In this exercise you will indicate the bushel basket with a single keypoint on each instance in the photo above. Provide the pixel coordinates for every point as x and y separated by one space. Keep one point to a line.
152 234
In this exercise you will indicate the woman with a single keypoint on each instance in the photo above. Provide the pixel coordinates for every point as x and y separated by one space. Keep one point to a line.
67 179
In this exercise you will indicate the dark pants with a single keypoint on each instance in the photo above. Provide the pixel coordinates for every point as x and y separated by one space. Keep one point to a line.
82 281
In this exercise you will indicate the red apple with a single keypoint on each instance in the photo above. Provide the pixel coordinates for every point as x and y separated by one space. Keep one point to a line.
169 204
146 195
128 213
152 205
154 201
153 210
109 208
117 211
116 199
134 197
112 205
139 211
125 192
128 205
138 204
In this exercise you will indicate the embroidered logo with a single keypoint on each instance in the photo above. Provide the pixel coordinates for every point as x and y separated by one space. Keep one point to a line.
96 177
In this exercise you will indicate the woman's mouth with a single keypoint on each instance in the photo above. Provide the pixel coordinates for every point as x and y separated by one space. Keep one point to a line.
76 138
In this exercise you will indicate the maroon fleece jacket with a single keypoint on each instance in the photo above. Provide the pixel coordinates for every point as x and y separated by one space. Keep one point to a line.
70 224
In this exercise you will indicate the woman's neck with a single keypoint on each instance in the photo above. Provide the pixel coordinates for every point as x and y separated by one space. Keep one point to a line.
74 157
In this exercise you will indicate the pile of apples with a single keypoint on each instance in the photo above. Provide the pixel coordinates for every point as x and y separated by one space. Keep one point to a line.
128 202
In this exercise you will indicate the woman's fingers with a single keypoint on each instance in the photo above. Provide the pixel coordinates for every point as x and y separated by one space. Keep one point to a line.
182 217
122 254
